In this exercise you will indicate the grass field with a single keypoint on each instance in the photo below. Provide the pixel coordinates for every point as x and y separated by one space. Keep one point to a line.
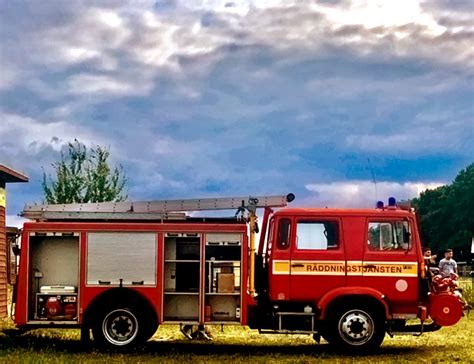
235 344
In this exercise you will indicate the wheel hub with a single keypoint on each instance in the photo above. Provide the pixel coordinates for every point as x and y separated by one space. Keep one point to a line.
356 327
120 327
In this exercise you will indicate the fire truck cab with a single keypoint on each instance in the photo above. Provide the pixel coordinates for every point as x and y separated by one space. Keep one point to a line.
350 275
121 270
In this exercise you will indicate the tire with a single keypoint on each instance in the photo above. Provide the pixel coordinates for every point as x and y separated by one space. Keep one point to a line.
119 327
149 330
357 330
325 332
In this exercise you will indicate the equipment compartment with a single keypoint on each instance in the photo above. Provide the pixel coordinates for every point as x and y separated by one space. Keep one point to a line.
182 253
223 277
54 276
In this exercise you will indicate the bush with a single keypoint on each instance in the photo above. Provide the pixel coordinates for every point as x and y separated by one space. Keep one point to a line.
467 289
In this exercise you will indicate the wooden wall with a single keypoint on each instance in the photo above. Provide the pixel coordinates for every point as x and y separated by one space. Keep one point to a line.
3 261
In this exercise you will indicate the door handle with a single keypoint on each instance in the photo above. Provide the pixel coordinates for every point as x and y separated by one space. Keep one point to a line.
369 266
297 265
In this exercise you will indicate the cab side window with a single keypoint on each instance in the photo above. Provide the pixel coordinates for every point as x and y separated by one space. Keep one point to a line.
388 235
284 230
317 235
269 241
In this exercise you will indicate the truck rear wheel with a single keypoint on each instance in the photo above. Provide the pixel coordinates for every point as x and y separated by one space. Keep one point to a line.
357 329
118 328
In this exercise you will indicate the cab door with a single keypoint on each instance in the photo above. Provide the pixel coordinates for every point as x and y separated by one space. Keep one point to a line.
390 263
278 249
318 262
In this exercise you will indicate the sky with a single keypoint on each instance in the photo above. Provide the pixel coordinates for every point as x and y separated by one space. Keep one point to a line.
228 98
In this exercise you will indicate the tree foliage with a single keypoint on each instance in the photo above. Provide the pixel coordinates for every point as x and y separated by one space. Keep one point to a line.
447 215
84 175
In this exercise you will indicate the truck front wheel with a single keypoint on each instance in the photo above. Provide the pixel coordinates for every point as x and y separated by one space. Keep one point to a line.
358 329
119 327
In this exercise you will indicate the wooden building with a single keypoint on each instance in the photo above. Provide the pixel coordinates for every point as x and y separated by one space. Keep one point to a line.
7 175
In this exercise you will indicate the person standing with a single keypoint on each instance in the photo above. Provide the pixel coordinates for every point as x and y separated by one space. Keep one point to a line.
430 259
448 265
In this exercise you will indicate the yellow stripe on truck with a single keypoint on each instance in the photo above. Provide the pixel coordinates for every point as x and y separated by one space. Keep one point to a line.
351 268
281 267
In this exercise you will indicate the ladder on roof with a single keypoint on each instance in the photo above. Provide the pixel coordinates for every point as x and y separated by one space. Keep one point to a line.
149 210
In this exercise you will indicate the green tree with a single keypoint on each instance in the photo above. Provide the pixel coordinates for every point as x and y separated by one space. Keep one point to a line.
447 215
84 175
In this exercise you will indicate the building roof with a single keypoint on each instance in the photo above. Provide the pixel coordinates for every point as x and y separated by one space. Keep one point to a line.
9 175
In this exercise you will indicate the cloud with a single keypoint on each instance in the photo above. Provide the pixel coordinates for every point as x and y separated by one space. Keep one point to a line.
24 138
367 28
97 85
133 35
362 193
7 76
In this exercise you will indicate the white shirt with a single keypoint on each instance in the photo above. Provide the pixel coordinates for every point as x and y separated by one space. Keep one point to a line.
447 266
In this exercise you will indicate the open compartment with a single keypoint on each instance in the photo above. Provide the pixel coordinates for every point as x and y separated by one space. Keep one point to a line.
223 277
54 276
182 256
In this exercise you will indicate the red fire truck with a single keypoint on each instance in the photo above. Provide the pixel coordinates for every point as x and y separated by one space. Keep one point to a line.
119 270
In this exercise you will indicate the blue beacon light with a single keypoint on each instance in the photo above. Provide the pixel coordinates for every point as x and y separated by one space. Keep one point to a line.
392 202
379 205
